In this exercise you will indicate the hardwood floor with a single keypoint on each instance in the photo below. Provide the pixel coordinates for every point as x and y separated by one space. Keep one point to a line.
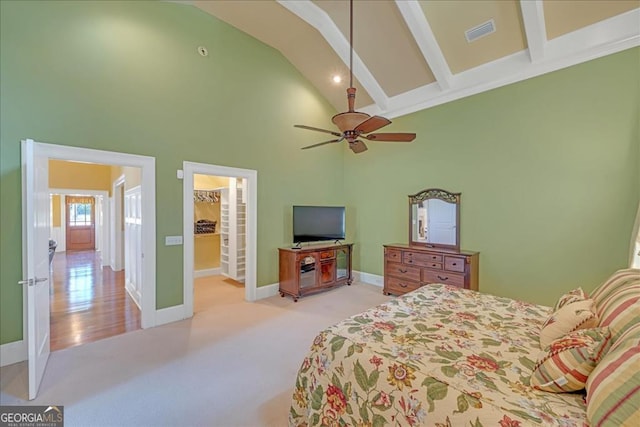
88 302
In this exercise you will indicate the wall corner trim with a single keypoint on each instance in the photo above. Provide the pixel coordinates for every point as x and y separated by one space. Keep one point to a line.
267 291
170 315
371 279
13 352
207 272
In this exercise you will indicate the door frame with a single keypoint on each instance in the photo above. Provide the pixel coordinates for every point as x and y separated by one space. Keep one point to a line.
117 250
250 279
148 183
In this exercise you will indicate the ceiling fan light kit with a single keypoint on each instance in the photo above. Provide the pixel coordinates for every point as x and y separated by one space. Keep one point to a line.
353 124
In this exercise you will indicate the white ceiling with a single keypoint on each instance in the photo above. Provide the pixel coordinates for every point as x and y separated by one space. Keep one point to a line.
412 54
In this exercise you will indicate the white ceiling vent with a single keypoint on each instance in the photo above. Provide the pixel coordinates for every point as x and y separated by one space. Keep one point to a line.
480 31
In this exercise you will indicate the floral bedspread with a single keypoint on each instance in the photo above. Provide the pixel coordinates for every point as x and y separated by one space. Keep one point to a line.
438 356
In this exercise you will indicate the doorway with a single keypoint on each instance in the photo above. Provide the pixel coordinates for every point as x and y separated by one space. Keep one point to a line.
36 216
219 233
103 210
242 184
92 298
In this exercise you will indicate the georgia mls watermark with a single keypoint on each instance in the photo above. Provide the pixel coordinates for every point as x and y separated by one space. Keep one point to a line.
31 416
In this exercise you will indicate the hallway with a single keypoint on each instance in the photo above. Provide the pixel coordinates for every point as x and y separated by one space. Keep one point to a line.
88 302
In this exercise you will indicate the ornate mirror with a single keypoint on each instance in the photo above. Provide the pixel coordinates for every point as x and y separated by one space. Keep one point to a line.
434 219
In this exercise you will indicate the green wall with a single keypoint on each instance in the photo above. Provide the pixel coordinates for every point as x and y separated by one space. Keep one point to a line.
548 170
127 77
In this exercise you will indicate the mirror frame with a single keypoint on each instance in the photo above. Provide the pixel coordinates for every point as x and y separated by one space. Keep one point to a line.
435 193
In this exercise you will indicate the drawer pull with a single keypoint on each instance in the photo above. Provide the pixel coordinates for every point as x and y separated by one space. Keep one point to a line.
402 285
402 271
454 263
442 278
409 261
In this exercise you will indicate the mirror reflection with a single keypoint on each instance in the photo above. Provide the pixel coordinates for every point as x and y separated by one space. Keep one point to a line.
434 218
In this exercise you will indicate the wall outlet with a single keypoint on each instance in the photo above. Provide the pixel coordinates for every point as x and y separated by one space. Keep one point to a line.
172 240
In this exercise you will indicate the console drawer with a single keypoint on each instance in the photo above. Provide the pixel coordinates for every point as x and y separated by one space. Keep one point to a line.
432 276
454 264
327 254
402 271
398 286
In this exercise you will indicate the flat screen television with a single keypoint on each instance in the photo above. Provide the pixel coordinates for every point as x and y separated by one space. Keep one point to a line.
318 223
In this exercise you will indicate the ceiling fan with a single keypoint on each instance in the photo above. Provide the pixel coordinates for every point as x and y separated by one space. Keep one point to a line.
354 125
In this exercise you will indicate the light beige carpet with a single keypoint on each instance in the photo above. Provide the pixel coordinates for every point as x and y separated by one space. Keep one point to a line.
233 364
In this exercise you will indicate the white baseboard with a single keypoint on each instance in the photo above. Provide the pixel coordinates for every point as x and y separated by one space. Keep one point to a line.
207 272
267 291
135 295
371 279
13 352
170 314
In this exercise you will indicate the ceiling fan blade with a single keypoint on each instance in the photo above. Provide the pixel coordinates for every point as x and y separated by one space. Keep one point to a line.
357 146
371 124
318 129
321 143
391 137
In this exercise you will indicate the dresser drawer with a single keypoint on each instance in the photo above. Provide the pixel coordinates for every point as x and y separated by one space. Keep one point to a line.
432 276
393 255
402 271
327 254
420 258
434 265
452 263
398 286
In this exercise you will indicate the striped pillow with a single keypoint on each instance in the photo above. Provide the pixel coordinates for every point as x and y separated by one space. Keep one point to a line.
613 388
618 280
623 315
566 364
569 318
571 296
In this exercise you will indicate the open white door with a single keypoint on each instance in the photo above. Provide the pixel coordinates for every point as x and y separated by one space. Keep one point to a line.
35 253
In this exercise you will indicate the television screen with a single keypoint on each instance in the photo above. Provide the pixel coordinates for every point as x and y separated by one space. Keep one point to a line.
318 223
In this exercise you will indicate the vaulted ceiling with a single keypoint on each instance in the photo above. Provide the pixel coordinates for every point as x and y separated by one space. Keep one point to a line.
414 54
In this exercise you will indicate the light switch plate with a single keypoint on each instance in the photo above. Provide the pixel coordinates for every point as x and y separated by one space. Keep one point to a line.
172 240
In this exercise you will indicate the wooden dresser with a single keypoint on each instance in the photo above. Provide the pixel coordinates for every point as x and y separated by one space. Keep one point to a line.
406 268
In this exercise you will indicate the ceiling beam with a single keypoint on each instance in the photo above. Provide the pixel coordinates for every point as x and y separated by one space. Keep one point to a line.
600 39
534 27
320 20
423 34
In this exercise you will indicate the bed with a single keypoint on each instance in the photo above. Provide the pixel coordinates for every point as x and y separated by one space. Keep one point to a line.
440 356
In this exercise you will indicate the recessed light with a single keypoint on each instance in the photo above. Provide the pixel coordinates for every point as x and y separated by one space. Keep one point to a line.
336 78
